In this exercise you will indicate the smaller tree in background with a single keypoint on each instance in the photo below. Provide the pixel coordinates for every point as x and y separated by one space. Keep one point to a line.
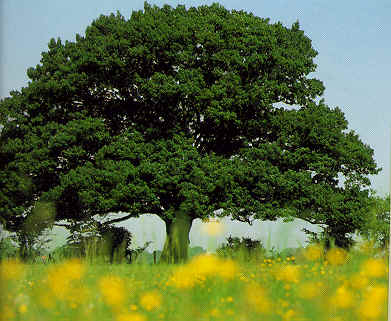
34 234
377 227
328 239
92 239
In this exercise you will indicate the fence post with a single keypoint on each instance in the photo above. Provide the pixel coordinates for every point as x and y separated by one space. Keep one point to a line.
154 257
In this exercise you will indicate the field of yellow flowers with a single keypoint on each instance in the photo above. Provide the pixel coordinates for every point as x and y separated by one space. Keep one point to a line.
337 286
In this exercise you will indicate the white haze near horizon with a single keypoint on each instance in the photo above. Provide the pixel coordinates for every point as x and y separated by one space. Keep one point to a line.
149 227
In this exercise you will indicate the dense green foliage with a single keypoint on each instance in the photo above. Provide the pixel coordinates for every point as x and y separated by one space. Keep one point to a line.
175 112
8 249
377 226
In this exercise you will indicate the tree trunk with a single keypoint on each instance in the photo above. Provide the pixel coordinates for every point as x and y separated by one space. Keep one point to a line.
176 247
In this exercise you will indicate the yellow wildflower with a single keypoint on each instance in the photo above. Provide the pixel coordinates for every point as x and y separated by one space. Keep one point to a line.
11 269
313 252
374 302
343 298
214 312
77 295
283 303
377 293
134 316
374 268
45 299
58 284
6 313
309 290
59 277
206 264
183 278
112 289
358 281
72 269
151 300
243 278
336 256
257 298
23 309
200 268
288 315
227 269
289 273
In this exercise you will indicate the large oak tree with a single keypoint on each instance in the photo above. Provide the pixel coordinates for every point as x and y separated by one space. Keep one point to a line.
175 112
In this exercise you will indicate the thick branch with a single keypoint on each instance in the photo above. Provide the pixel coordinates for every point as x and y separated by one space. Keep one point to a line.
62 225
116 220
244 220
309 221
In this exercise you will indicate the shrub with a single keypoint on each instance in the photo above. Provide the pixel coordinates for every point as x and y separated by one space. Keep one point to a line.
244 249
7 248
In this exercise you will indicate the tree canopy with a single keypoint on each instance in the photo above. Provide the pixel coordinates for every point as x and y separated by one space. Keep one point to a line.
177 112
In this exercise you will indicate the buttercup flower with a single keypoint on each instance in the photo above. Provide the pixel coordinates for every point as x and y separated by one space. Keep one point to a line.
134 316
151 300
257 298
112 289
290 273
343 298
358 281
11 269
60 276
336 256
374 301
309 290
374 268
313 252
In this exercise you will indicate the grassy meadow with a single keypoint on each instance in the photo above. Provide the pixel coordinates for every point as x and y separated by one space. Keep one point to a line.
313 285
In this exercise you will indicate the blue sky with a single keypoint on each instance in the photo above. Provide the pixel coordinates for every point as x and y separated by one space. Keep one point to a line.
352 38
